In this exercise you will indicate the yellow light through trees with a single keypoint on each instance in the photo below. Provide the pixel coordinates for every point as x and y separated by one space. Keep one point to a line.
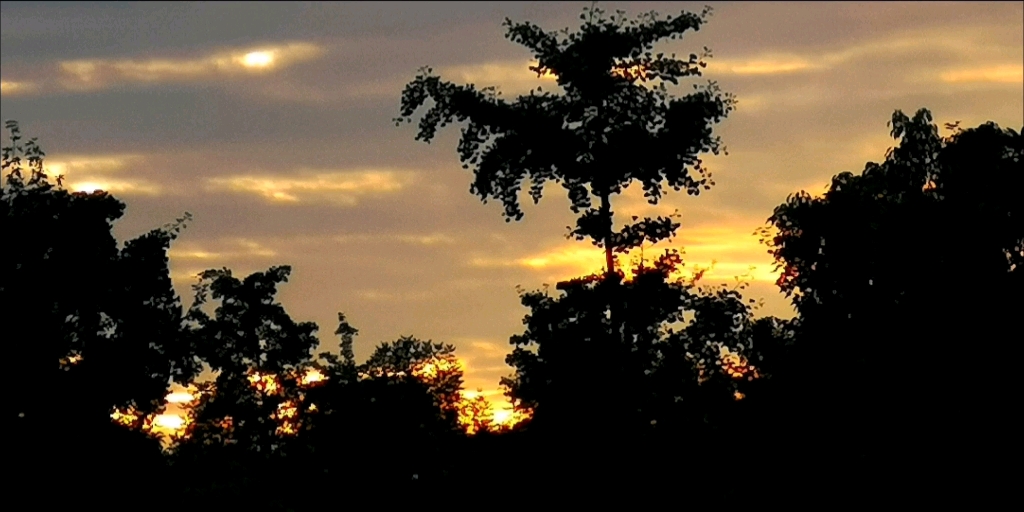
171 422
474 411
264 382
87 187
502 415
435 367
180 398
167 426
258 59
126 417
507 418
630 73
312 376
286 412
67 362
548 75
737 366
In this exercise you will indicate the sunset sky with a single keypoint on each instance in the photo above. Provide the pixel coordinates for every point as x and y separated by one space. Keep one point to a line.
272 124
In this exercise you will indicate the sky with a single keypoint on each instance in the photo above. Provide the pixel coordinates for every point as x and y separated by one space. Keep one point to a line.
272 124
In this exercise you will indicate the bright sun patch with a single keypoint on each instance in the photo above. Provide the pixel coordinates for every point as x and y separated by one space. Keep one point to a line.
258 59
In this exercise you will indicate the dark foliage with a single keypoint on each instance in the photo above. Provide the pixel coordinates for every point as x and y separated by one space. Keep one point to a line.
642 372
108 315
907 280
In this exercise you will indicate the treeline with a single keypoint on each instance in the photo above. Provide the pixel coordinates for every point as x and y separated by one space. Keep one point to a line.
906 279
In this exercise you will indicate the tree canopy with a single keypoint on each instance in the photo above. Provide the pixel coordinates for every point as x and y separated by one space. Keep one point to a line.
108 314
905 278
615 122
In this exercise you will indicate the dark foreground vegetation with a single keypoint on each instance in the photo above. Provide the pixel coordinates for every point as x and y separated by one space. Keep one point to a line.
633 382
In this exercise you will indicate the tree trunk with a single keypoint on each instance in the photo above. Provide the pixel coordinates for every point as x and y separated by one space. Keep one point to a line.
606 209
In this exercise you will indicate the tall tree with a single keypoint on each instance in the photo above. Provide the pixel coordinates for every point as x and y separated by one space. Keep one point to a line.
615 122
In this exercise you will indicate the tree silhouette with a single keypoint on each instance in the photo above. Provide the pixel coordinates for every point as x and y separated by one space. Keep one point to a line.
244 422
108 315
262 431
902 275
615 123
631 373
389 424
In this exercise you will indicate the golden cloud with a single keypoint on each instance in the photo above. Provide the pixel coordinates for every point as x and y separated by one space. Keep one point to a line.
136 187
100 73
80 164
11 88
235 248
572 259
335 186
765 65
1004 74
966 46
88 173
